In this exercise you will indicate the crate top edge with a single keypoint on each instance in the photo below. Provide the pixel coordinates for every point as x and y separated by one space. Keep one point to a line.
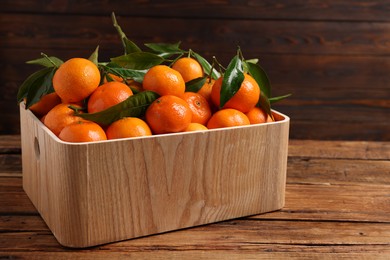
285 120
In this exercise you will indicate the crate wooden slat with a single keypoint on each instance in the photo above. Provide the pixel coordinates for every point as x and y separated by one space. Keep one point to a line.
95 193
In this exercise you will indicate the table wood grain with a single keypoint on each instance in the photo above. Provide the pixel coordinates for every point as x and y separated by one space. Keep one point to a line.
337 205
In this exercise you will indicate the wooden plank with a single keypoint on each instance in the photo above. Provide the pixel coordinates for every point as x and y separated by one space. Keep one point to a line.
10 123
10 165
268 9
264 36
10 144
312 170
22 223
13 199
339 149
315 200
261 251
9 184
16 203
329 130
238 234
335 202
337 114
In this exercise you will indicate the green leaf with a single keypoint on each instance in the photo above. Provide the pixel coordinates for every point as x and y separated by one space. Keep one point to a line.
34 80
232 80
276 99
133 106
254 61
40 87
137 75
264 103
261 77
94 56
206 66
138 60
165 50
196 84
46 61
128 45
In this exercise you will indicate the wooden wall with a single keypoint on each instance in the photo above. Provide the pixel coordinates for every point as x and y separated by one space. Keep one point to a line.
333 56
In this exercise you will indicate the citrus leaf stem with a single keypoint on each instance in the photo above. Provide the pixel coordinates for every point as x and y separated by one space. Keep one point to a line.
206 65
47 61
128 45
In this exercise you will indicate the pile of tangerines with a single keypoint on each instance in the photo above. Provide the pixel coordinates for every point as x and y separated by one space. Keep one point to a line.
159 91
78 82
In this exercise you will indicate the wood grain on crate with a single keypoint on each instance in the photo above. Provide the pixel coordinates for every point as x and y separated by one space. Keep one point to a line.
345 216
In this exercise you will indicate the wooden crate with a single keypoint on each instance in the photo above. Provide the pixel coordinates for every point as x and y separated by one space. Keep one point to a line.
100 192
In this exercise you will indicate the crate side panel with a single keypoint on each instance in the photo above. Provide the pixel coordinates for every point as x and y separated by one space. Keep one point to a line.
119 197
244 173
67 175
146 186
30 162
54 177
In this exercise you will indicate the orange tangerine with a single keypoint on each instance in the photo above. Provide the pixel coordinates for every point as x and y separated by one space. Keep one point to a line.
189 68
164 81
245 98
227 117
76 79
168 114
128 127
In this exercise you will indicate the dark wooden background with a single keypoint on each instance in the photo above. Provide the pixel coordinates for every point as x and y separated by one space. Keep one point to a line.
333 56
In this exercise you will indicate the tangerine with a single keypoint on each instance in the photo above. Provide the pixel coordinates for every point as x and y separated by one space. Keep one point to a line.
59 117
82 131
199 106
164 81
244 99
189 68
168 114
205 90
195 127
227 117
45 104
128 127
76 79
258 116
108 95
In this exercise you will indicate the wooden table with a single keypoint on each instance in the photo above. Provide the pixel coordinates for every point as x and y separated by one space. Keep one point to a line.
337 205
